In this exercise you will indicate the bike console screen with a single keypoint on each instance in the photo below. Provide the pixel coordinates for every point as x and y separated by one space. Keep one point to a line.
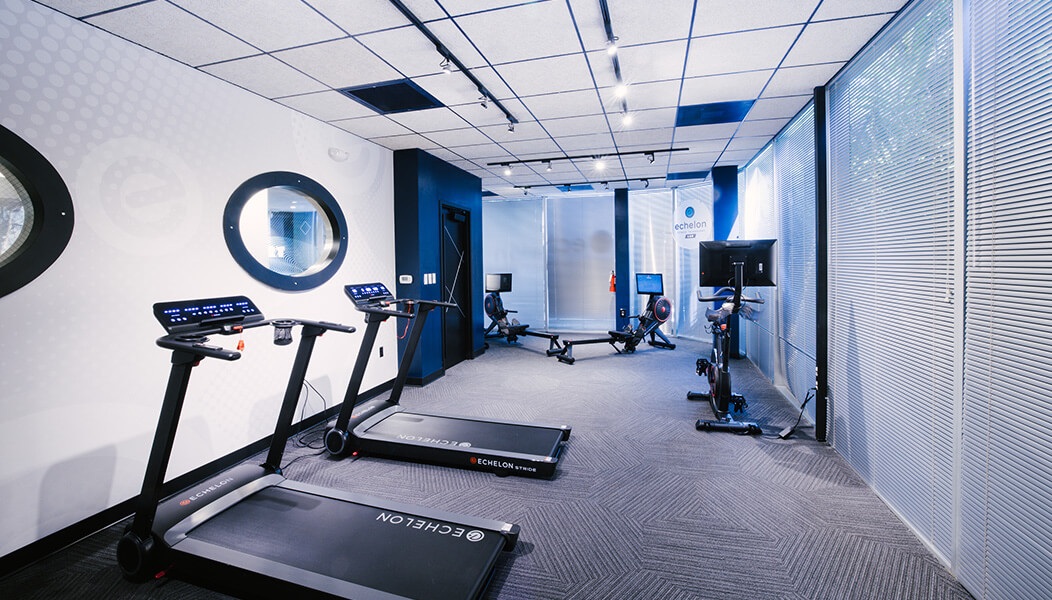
369 294
192 315
649 283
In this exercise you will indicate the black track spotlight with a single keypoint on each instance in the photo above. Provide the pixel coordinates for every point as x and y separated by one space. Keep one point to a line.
446 66
649 156
482 101
507 169
646 183
511 127
547 166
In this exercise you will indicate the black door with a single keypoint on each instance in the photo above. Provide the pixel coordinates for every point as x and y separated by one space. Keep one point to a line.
456 285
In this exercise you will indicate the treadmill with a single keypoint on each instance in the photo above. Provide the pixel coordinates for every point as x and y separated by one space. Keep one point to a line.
251 532
383 428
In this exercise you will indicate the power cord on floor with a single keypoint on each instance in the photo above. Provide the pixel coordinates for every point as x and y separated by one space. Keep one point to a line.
788 431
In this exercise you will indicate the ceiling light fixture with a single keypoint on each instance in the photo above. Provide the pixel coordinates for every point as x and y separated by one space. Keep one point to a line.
611 46
507 169
620 90
600 164
547 165
627 118
482 100
646 183
593 157
568 187
511 127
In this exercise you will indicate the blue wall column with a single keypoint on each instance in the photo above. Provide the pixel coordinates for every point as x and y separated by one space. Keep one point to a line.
623 296
422 184
724 214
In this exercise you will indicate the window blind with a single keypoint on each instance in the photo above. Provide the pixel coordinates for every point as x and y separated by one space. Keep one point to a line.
1006 467
891 267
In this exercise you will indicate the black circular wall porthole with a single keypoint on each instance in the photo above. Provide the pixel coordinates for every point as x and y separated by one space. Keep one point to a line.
36 213
285 230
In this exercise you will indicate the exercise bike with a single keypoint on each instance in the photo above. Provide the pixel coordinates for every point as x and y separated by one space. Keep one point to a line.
747 262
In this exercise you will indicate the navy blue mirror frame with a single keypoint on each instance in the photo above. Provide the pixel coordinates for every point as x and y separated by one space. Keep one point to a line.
300 183
52 212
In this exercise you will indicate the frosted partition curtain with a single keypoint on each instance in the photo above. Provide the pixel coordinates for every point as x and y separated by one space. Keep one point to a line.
513 242
1006 470
758 217
891 267
651 245
580 258
690 314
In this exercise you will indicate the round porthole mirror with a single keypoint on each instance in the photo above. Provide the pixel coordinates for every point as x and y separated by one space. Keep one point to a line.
36 213
285 230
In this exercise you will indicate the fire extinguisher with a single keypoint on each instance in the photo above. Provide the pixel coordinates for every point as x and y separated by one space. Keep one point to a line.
613 282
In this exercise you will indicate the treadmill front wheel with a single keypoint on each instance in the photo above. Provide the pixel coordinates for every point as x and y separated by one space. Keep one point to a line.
136 557
336 441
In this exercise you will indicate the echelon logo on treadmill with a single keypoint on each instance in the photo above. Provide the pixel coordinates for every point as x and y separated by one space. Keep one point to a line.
205 492
501 464
427 526
435 441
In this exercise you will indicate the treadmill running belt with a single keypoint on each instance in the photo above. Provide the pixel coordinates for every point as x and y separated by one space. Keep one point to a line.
395 552
456 432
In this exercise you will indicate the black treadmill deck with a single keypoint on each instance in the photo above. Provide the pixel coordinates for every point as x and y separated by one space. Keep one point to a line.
286 532
503 447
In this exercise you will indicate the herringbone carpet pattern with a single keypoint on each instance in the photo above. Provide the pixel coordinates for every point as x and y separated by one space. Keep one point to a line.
643 506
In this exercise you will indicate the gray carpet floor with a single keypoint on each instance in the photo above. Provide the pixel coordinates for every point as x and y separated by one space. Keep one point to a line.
643 505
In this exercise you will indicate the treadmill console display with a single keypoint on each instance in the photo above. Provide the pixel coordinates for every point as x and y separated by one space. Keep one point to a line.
368 294
189 315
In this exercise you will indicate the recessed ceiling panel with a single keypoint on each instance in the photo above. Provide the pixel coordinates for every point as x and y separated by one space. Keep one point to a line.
711 114
391 97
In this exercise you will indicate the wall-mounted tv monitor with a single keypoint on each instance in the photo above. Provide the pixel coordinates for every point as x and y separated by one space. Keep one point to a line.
498 282
718 259
649 283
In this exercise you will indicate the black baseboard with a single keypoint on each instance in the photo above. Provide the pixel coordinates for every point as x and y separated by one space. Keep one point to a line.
58 540
422 381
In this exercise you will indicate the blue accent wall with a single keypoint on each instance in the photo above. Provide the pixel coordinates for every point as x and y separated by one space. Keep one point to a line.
422 184
724 201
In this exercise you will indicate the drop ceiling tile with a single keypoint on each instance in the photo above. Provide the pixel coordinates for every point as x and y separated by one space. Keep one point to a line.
435 119
475 114
425 10
265 75
483 153
640 64
584 143
547 75
719 131
458 137
795 81
833 41
266 23
720 16
723 88
634 171
644 21
174 33
461 7
648 137
523 32
524 130
739 52
450 90
643 96
405 49
405 142
564 104
685 161
525 148
576 125
766 127
340 63
839 9
454 40
737 158
773 108
350 17
327 106
443 153
747 143
372 127
83 8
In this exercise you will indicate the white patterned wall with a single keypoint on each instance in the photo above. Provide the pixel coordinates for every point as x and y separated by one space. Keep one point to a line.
151 150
